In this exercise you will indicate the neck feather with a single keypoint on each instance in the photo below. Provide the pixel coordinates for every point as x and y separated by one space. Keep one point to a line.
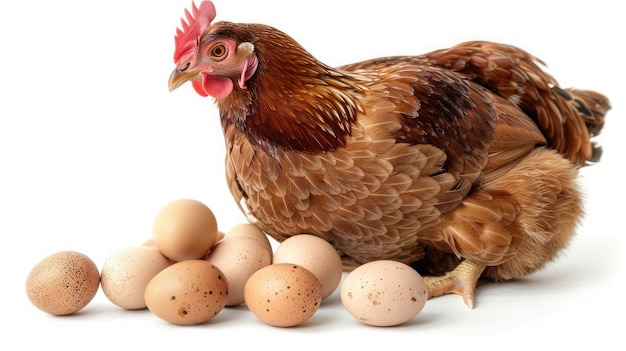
293 102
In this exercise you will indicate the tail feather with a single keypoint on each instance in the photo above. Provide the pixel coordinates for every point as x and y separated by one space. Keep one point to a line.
592 108
568 118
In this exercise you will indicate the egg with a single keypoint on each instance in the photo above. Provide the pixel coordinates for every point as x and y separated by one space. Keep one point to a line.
150 243
63 283
126 273
187 292
251 230
283 295
185 229
238 257
383 293
220 235
315 254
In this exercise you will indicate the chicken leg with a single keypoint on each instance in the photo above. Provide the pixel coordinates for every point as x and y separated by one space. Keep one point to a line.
461 280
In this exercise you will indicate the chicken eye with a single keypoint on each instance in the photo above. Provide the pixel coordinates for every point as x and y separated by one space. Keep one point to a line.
218 52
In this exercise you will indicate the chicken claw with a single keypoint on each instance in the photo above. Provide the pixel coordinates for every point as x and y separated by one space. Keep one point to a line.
462 281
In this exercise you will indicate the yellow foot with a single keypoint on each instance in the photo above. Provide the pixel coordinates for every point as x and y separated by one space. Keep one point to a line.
462 281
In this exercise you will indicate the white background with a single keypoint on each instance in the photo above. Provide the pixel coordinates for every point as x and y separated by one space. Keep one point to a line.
92 145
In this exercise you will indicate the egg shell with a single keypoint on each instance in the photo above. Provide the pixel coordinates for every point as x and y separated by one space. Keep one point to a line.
315 254
238 257
251 230
126 273
63 283
383 293
187 292
283 295
185 229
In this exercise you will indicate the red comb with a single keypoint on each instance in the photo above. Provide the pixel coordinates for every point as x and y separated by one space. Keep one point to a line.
192 27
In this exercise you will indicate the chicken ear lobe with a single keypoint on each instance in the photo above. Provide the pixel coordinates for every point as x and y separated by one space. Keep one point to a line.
250 64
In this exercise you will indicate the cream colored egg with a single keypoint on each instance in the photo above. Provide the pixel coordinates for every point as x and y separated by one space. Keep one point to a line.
238 256
283 295
63 283
185 229
187 292
251 230
383 293
315 254
126 273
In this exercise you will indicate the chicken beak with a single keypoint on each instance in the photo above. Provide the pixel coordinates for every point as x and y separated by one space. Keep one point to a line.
178 77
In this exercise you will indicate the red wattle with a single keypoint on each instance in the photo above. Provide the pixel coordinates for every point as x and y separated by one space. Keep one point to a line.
197 86
216 87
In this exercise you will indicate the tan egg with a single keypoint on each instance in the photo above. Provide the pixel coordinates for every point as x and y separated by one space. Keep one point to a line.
63 283
283 295
383 293
315 254
187 292
238 256
126 273
251 230
185 229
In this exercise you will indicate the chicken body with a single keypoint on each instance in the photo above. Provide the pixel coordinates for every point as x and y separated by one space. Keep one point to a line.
461 162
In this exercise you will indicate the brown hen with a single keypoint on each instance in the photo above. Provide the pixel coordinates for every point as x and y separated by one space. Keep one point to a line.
462 162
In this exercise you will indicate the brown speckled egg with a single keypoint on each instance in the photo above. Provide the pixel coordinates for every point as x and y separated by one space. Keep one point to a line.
185 229
126 273
63 283
251 230
238 256
187 292
315 254
383 293
283 295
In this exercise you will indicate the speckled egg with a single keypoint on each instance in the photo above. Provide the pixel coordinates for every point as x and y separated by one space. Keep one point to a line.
63 283
383 293
126 273
238 256
283 295
315 254
251 230
187 292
